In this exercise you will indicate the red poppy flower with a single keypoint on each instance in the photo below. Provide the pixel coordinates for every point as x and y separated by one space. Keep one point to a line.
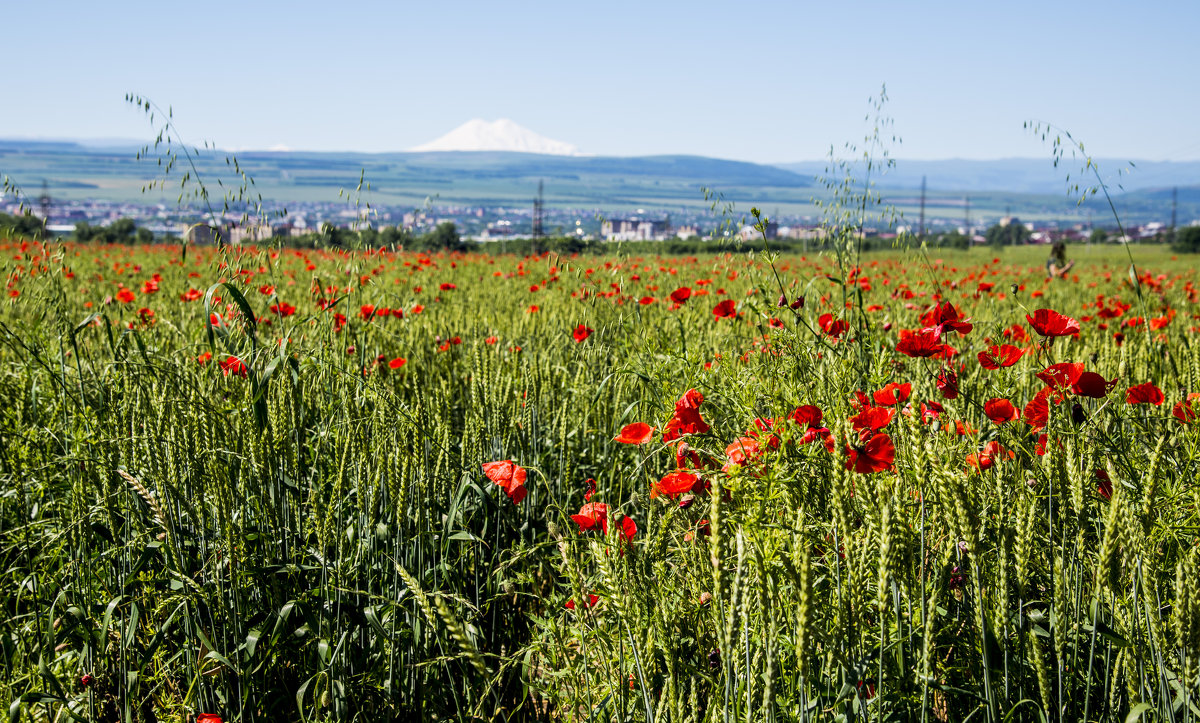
582 332
629 528
1144 394
1000 410
1003 355
1091 384
646 300
1040 448
745 449
447 286
832 327
126 296
985 459
1183 412
872 419
921 344
931 410
591 516
681 295
674 484
893 394
687 419
946 318
725 309
233 365
636 433
1061 376
208 718
1103 484
570 605
1037 411
397 362
510 476
806 415
947 382
687 457
877 455
821 433
1050 323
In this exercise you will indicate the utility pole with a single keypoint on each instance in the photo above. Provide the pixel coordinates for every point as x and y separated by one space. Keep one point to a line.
921 225
44 202
537 213
967 217
1174 210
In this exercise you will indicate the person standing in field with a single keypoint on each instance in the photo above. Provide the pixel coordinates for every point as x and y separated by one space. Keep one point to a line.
1057 265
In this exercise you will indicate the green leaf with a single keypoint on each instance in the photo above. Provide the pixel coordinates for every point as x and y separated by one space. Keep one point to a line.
252 639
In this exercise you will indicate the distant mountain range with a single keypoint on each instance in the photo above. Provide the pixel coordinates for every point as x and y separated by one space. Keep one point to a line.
1030 188
1023 175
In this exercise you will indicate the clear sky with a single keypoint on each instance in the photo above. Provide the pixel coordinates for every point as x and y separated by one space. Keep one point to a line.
748 79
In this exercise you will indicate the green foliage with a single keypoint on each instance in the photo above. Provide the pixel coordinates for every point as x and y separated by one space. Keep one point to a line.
952 240
1187 240
121 231
22 225
316 538
1011 234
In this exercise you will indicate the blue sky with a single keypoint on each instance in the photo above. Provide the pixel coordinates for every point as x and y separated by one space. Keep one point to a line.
760 81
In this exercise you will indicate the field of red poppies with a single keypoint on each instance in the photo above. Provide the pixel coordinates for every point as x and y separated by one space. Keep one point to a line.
280 484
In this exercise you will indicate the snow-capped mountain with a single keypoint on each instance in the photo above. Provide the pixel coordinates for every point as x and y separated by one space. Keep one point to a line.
500 135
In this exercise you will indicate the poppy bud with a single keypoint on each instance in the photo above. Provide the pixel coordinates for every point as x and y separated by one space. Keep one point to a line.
705 598
86 680
798 303
714 660
782 301
1077 415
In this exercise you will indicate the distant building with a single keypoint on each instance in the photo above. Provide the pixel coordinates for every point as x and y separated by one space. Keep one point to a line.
635 229
200 234
802 233
749 233
252 231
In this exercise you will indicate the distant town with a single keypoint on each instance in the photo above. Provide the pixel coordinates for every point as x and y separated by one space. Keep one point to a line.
484 224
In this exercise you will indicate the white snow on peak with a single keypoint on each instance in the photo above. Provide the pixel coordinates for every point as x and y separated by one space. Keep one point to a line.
500 135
